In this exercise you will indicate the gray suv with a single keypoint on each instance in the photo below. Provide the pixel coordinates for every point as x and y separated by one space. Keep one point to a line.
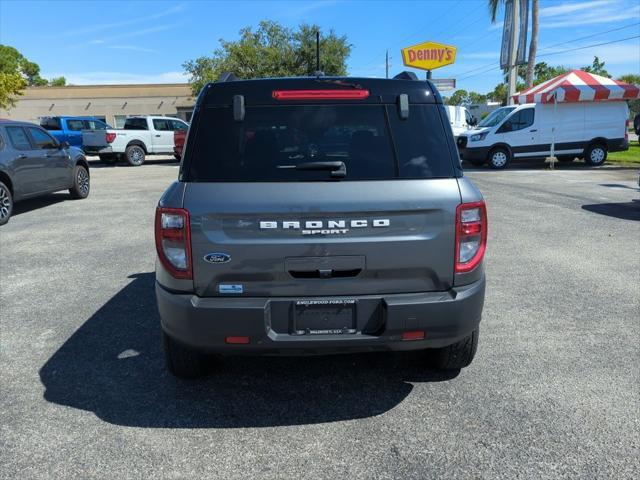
319 215
33 163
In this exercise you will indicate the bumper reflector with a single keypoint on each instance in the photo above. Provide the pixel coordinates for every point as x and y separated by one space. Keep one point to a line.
416 335
237 340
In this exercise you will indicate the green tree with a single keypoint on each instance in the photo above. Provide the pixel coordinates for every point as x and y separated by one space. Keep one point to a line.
271 50
11 86
499 94
597 68
630 78
12 61
459 97
58 82
634 105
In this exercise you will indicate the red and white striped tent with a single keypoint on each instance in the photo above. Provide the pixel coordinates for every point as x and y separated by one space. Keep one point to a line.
578 86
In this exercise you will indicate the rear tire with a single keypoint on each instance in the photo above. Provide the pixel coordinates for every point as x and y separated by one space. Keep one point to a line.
108 159
183 362
81 183
6 204
499 158
458 355
135 155
595 154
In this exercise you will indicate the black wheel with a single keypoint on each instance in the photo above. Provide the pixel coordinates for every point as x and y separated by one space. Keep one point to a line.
81 184
595 154
182 361
499 158
458 355
135 155
6 203
109 159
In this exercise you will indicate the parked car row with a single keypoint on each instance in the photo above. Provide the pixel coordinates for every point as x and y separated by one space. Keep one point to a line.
34 163
141 136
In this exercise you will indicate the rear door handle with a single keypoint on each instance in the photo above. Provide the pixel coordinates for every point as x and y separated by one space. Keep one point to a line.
534 130
22 156
157 135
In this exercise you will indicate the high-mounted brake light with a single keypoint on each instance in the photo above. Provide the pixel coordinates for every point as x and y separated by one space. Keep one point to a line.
320 94
110 137
173 241
471 235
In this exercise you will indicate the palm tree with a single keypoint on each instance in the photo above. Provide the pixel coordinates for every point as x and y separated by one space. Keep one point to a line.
533 44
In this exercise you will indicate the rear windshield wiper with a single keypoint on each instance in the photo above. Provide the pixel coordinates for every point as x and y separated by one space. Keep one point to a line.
338 169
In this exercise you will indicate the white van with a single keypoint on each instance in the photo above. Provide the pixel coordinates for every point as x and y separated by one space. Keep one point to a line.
585 130
460 119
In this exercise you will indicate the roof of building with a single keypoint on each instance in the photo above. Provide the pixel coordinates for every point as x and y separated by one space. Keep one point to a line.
109 91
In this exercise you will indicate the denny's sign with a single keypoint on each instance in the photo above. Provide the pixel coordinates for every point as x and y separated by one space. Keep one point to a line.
428 55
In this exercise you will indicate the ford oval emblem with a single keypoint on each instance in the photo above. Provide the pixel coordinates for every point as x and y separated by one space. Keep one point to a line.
217 257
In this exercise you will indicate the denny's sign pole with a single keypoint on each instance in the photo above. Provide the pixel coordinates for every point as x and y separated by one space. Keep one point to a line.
428 56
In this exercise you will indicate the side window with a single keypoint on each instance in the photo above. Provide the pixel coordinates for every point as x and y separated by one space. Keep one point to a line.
94 125
162 125
178 125
136 124
75 125
41 139
518 121
50 123
18 138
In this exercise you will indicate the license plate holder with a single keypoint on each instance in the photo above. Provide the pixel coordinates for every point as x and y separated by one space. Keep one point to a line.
324 317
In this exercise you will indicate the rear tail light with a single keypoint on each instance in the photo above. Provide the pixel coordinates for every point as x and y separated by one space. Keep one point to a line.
471 235
320 94
173 241
237 340
110 137
626 130
413 335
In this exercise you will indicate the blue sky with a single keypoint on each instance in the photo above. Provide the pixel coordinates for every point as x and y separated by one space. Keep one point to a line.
92 42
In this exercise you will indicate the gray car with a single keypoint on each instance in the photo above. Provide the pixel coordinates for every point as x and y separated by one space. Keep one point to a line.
33 163
320 215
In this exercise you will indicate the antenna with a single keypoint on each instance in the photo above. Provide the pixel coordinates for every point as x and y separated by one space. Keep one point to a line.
318 72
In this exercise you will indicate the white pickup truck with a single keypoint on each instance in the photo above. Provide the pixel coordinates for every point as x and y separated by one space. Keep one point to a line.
141 136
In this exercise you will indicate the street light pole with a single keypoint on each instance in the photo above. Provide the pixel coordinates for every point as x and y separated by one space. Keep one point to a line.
513 54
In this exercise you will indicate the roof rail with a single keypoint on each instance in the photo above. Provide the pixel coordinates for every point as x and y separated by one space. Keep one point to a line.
406 76
227 77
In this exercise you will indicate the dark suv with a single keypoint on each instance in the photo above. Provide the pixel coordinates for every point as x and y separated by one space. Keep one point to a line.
33 163
320 215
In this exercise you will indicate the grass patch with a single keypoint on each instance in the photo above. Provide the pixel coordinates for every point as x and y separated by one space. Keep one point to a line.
630 157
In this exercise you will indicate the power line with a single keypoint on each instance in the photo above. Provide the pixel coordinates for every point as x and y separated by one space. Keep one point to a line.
550 54
590 36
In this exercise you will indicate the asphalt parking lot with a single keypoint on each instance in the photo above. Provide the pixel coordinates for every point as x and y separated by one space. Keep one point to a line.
554 390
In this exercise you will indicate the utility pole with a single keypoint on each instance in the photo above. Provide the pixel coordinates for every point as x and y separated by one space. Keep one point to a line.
386 64
513 54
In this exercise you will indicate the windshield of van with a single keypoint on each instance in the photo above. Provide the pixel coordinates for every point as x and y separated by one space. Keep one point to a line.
496 117
277 144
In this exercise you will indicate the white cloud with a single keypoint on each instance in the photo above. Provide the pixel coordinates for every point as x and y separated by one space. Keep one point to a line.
609 13
115 78
133 48
571 7
614 54
124 23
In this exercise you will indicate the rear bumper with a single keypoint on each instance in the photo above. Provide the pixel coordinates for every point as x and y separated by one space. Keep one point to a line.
204 323
97 150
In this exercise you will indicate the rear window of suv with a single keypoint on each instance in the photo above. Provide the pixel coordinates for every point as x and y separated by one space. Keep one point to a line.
371 140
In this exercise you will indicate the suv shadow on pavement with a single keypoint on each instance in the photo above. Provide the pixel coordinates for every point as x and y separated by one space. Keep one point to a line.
624 210
113 366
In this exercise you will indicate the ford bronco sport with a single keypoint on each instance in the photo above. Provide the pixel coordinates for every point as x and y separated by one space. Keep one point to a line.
319 215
